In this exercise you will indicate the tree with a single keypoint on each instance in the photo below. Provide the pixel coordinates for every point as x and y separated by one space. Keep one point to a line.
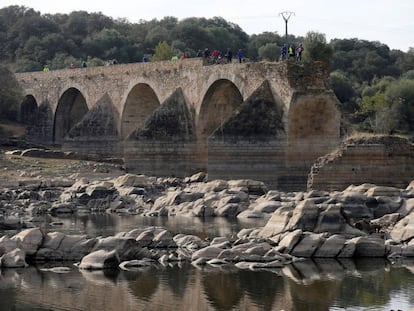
110 44
400 96
257 41
269 52
10 95
316 48
343 89
162 52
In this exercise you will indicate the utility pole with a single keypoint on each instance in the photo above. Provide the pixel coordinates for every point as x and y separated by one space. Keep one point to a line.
286 15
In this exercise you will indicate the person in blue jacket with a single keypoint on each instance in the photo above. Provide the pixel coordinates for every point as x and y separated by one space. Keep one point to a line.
240 55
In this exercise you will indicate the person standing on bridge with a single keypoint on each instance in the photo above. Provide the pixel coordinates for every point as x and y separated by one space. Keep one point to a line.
299 50
291 52
240 55
229 56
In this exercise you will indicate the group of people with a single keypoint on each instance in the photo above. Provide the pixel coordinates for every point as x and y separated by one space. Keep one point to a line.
217 57
291 52
71 66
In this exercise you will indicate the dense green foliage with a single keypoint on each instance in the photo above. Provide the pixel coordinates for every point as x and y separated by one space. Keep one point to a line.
10 95
373 83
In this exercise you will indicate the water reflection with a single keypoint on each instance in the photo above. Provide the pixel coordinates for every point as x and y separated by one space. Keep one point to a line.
222 288
308 285
264 288
111 224
143 284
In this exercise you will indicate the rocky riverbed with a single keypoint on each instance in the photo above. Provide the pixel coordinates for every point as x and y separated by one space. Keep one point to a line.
361 221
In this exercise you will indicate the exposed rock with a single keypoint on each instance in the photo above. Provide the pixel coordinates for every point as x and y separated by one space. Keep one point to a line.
304 217
331 247
208 253
377 191
369 247
145 238
126 249
10 223
163 239
62 208
189 241
331 220
251 214
100 259
289 241
404 229
14 259
308 244
278 222
406 208
29 240
267 207
53 240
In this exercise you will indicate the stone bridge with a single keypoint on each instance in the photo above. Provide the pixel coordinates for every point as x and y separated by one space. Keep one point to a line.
264 121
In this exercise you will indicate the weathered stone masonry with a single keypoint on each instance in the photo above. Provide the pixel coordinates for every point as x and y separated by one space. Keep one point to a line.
267 121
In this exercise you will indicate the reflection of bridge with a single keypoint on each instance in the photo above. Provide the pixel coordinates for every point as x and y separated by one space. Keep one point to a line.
266 121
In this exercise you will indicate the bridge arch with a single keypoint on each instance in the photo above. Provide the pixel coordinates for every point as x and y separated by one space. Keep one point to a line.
28 110
70 109
219 103
141 101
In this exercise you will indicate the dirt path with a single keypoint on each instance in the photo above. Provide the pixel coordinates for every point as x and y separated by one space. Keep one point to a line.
15 168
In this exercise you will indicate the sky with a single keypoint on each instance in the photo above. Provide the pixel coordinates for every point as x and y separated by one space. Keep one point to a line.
388 21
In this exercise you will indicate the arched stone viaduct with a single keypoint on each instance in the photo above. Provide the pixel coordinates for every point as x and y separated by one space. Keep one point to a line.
266 121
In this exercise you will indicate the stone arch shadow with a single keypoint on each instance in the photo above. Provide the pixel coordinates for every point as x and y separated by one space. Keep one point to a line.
221 100
141 100
70 110
251 142
164 145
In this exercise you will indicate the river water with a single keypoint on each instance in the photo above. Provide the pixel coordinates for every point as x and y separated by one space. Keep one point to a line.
365 284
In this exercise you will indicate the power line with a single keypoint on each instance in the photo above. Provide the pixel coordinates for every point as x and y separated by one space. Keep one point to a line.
286 15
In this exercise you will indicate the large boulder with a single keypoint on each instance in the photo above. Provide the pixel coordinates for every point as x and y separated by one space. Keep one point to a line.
10 223
331 219
208 252
29 240
369 247
307 246
404 229
7 244
406 207
163 239
14 259
132 180
354 207
100 259
289 241
278 222
331 247
126 248
305 216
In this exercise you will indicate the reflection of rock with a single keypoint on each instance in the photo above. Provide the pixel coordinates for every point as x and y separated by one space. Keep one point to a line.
222 289
9 278
177 279
145 285
262 287
10 281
